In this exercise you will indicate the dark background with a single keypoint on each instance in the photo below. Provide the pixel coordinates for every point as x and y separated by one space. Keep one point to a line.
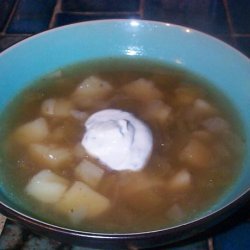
228 20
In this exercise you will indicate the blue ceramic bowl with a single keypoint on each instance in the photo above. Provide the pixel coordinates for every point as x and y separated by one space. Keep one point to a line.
185 48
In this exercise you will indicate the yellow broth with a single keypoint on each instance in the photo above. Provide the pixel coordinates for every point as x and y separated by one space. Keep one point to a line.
191 165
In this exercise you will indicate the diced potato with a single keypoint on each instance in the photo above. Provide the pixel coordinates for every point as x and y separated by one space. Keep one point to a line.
81 202
48 107
56 107
79 115
175 213
196 154
216 125
62 108
185 95
158 111
46 186
198 111
91 91
50 156
182 180
77 214
34 131
89 172
142 90
203 108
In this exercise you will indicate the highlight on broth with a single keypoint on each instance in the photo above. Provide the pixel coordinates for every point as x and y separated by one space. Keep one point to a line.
196 155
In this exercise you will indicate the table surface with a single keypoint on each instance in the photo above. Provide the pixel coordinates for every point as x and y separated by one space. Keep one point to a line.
228 20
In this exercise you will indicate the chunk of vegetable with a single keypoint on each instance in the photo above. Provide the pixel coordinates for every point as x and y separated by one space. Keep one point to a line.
46 186
50 156
185 95
196 154
175 212
91 91
157 110
34 131
79 115
143 90
89 172
81 202
48 107
216 124
203 108
198 111
56 107
182 180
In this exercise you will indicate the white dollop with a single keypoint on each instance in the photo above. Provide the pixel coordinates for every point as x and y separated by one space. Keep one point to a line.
118 139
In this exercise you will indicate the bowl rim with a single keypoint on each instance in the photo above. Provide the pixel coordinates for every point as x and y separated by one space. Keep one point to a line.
120 20
208 219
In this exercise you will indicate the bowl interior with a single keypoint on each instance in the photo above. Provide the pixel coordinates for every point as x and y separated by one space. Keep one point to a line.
220 64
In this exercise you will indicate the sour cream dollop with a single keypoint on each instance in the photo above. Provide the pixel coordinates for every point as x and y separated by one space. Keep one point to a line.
118 139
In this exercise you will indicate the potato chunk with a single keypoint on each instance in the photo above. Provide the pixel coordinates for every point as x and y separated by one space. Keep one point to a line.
180 181
157 110
47 186
50 156
185 95
62 108
90 91
56 107
89 173
79 115
216 125
176 213
203 108
142 90
81 202
34 131
196 154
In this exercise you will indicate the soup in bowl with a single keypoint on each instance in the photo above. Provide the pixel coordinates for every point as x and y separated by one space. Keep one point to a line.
127 139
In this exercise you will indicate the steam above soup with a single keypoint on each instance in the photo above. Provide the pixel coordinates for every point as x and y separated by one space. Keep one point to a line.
70 171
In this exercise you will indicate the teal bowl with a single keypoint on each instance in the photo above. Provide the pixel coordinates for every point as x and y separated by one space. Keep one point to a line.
227 69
